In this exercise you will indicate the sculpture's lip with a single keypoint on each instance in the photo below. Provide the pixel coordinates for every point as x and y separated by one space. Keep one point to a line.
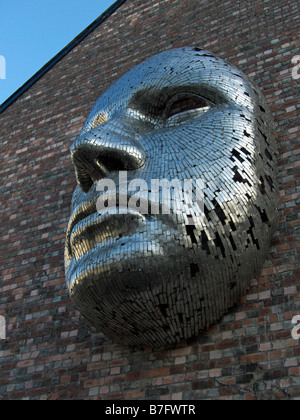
80 212
95 229
87 227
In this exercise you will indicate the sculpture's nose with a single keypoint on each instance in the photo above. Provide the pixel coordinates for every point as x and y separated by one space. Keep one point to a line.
112 146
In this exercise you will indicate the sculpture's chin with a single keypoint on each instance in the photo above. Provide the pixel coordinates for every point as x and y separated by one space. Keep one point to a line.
136 299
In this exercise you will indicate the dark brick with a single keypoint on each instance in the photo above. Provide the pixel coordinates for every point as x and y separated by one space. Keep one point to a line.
244 379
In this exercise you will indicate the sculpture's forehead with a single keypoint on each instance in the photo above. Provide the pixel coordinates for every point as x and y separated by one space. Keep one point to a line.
184 68
191 70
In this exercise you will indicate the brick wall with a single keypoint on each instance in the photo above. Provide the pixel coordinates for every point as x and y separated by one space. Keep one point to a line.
50 351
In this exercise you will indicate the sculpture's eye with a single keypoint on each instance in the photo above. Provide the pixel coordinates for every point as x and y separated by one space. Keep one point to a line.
98 120
181 106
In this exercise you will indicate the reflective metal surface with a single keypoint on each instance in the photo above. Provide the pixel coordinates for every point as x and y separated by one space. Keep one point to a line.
153 279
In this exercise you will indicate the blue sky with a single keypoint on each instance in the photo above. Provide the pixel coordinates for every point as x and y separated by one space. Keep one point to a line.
34 31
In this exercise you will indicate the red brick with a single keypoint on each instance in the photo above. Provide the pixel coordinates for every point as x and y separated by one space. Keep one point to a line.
154 373
227 344
253 358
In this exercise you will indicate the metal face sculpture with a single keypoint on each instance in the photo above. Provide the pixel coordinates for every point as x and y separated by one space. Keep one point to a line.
154 277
